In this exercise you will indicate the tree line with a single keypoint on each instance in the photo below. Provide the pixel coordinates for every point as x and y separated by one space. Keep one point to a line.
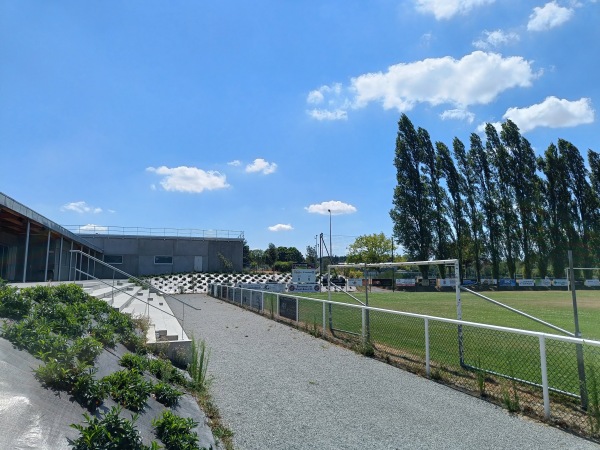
495 205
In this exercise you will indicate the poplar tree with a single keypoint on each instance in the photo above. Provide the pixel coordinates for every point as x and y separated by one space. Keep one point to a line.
411 213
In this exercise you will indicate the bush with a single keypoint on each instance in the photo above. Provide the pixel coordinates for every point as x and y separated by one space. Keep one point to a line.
133 361
282 266
176 432
109 432
88 391
128 388
12 304
166 394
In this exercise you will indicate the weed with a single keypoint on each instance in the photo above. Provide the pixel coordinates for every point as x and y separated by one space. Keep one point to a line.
109 432
510 396
199 364
176 432
593 391
164 371
128 388
365 348
480 374
166 394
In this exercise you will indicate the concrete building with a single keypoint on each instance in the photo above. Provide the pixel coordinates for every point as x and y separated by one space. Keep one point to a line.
34 248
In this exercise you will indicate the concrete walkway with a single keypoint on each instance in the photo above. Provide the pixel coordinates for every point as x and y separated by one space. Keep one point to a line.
279 388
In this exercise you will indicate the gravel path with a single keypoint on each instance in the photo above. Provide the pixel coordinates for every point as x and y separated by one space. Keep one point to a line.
280 388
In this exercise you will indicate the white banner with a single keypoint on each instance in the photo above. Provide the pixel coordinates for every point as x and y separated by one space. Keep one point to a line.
489 281
275 287
446 282
545 282
304 275
405 282
304 288
354 282
257 286
594 282
560 282
526 282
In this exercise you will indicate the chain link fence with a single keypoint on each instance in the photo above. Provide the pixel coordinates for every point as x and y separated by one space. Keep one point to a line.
534 373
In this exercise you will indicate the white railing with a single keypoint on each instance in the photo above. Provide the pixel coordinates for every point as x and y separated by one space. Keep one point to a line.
153 232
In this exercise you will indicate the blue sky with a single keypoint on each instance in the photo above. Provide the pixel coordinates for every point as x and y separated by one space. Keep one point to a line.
260 116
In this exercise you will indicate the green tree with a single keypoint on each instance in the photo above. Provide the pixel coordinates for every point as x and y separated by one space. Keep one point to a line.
370 248
271 255
487 199
311 256
246 261
411 213
257 258
289 254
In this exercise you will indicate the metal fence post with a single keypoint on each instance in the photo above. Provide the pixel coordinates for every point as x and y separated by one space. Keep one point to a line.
262 301
277 305
363 327
324 319
297 311
544 377
427 363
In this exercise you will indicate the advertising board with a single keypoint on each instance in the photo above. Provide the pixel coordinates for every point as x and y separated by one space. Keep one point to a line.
304 275
594 282
275 287
446 282
507 282
526 282
406 282
544 282
306 287
563 282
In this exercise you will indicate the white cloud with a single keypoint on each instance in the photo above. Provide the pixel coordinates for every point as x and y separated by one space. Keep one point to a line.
548 16
94 228
335 206
445 9
552 113
260 165
477 78
189 179
458 114
281 227
235 163
80 207
318 95
492 39
324 114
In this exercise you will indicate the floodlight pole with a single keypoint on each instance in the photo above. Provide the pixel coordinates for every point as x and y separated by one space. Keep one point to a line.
329 274
393 267
578 347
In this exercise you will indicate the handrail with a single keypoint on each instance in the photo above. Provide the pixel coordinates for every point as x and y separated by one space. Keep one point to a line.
537 334
131 277
159 232
131 295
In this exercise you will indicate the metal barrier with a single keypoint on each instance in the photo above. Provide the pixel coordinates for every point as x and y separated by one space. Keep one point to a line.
524 370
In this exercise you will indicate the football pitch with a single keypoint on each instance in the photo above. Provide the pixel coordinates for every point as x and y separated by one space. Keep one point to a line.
555 307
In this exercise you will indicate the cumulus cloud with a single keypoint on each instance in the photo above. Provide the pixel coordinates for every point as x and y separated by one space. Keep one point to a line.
80 207
189 179
235 163
335 206
548 16
260 165
281 227
552 113
458 114
476 78
446 9
493 39
90 227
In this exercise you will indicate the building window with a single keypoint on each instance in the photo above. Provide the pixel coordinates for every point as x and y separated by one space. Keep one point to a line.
163 260
113 259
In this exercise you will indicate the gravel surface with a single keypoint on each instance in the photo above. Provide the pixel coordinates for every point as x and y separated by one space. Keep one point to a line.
280 388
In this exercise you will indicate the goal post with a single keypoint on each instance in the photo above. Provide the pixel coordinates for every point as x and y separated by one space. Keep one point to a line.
454 263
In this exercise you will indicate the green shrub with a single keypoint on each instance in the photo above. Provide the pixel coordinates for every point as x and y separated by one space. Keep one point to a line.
133 361
105 334
199 365
110 432
12 304
176 432
166 394
128 388
86 349
88 391
164 371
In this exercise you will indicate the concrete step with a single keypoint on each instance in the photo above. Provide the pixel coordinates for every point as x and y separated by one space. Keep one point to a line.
123 299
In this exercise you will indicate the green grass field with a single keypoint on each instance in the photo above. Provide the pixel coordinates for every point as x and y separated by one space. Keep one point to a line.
555 307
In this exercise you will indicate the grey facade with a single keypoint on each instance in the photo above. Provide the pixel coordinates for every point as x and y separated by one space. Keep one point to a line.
33 249
151 255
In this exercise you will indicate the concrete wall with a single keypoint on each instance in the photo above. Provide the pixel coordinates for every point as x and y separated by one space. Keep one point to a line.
139 252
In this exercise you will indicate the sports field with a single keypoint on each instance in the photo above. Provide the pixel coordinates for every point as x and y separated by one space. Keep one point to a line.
555 307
